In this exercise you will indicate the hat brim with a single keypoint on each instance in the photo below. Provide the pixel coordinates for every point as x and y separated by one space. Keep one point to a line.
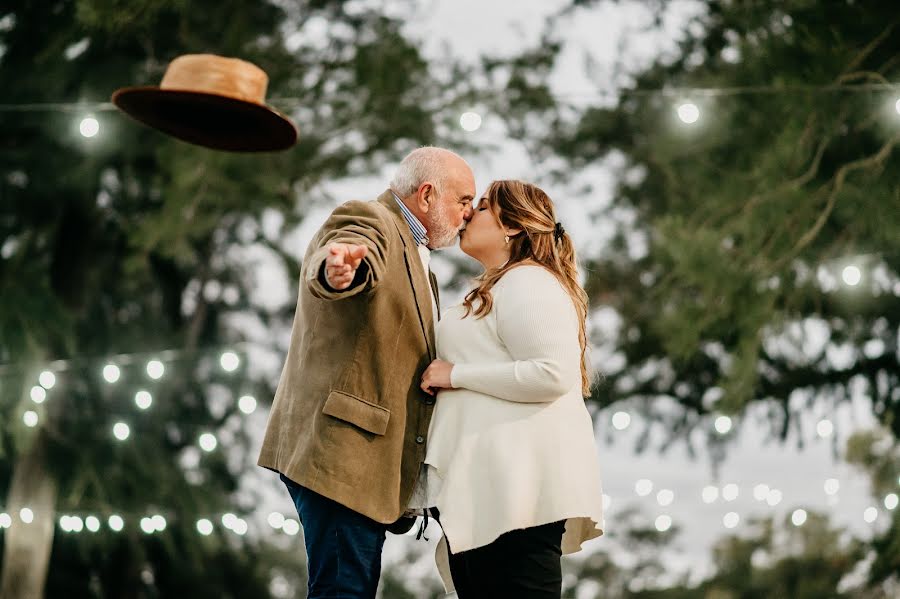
208 120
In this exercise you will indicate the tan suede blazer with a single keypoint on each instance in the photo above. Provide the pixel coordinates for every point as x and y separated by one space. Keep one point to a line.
349 420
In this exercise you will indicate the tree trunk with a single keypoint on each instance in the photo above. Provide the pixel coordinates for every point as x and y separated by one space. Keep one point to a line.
26 551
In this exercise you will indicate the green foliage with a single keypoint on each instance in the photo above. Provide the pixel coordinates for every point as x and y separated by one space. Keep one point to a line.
750 215
774 559
776 188
109 243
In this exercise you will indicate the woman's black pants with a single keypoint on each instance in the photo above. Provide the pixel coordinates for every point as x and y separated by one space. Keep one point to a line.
520 564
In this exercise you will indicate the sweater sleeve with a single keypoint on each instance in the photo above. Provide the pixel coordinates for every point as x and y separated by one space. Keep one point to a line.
353 223
538 325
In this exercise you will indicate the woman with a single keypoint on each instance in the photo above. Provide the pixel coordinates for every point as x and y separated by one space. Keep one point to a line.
512 463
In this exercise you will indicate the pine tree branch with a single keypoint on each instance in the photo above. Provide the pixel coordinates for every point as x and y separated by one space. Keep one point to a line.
875 160
889 64
864 53
791 184
867 75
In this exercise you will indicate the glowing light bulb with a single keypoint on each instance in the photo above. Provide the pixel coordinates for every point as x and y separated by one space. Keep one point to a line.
851 275
116 523
723 424
663 523
38 394
229 361
643 487
155 369
208 442
204 527
291 527
121 431
731 519
159 523
111 373
470 121
665 497
276 519
824 428
89 127
710 494
147 526
47 379
92 523
760 492
143 399
621 420
730 492
247 404
688 112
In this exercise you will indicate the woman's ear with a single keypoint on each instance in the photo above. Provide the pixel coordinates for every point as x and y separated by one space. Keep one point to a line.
513 232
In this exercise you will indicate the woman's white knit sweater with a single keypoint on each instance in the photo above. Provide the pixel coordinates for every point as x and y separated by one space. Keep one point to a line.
512 444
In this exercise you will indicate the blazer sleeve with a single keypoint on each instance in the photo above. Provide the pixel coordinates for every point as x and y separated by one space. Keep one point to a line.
538 325
359 223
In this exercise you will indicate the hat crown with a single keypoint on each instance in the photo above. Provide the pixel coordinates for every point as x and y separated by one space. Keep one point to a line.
209 73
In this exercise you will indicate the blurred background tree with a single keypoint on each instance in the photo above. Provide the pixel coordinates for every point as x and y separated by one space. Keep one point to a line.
122 248
756 259
755 266
761 262
803 557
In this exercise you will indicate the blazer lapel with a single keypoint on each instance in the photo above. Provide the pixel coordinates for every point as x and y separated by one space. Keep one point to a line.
418 279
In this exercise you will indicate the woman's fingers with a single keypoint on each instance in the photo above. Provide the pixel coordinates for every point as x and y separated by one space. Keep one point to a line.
426 381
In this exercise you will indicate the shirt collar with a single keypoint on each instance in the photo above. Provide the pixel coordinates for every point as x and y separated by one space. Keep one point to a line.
420 234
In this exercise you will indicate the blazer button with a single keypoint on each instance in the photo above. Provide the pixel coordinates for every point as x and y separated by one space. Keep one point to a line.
429 400
420 439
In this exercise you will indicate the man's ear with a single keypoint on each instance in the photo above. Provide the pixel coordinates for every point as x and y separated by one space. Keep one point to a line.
425 196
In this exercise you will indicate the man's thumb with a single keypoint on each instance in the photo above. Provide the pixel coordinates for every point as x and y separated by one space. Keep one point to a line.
359 252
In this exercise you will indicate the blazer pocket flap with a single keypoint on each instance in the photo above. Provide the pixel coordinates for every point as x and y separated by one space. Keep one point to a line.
356 411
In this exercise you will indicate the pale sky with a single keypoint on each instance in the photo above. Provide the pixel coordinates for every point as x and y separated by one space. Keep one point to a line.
608 32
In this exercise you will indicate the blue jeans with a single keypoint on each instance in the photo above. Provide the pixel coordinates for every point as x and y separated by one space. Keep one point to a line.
343 547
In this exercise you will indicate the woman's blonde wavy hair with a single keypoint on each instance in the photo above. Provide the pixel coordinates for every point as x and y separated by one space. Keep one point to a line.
519 205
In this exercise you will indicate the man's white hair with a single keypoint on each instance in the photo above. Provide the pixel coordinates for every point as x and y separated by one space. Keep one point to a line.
428 163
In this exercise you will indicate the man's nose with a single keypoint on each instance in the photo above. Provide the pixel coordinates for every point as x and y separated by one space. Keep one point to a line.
469 212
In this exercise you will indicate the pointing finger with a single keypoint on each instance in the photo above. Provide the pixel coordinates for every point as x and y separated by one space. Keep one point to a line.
356 254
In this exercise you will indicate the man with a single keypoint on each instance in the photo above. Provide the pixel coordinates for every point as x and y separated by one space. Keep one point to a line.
349 422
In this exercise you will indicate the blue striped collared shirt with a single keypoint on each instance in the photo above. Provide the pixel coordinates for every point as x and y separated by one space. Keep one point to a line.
416 227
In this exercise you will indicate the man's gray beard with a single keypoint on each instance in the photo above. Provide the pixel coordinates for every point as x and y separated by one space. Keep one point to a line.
443 243
442 236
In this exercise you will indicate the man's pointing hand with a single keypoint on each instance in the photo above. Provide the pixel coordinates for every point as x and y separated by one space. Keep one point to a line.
341 264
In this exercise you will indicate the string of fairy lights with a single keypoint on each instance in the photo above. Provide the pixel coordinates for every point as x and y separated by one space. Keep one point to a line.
111 371
77 522
149 524
155 369
686 102
153 523
686 106
229 360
